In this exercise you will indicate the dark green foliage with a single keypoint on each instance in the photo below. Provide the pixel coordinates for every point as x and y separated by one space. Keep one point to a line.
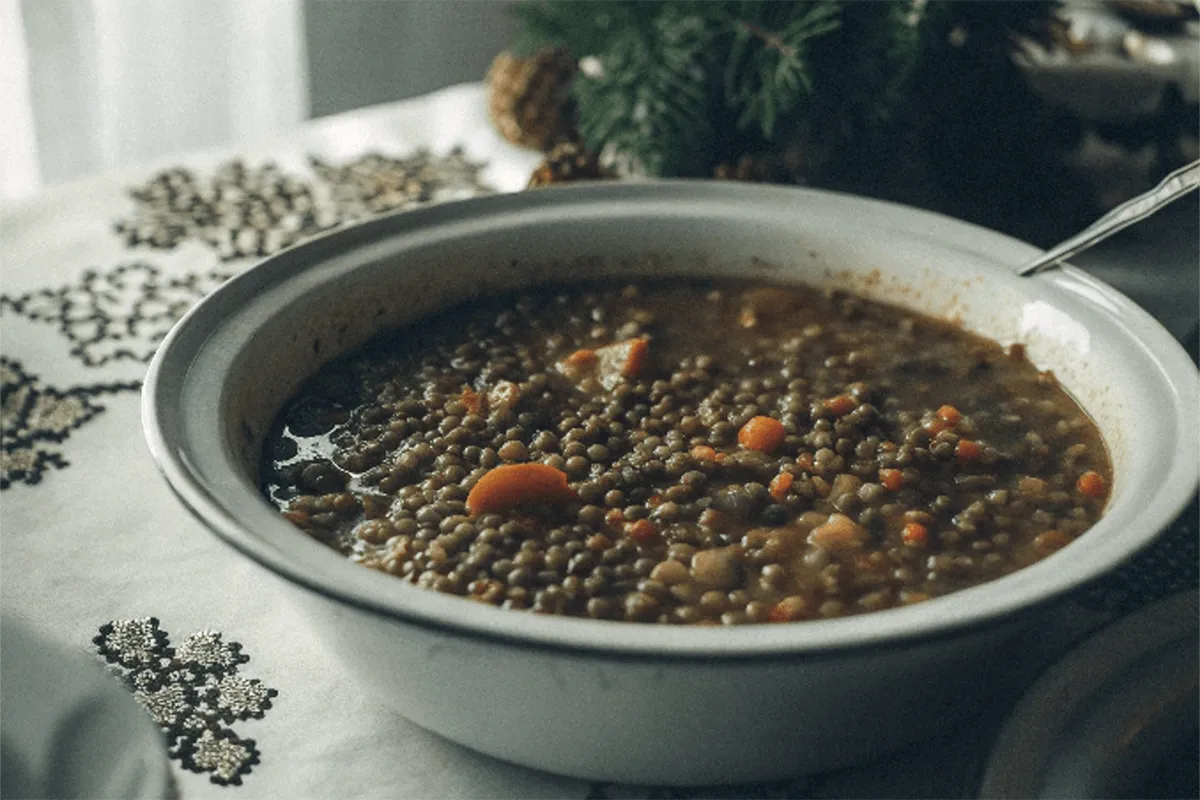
678 86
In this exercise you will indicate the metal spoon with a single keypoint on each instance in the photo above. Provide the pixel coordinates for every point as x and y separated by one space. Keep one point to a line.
1172 187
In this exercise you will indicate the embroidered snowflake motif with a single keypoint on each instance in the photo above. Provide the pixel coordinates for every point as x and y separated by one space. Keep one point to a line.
193 692
239 211
206 652
35 418
221 753
376 183
133 643
169 704
120 314
242 211
234 697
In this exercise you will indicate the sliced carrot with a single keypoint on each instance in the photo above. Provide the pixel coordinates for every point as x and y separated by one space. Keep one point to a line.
915 535
472 399
842 404
763 434
581 358
949 415
780 485
1091 484
511 485
635 359
642 531
892 479
967 451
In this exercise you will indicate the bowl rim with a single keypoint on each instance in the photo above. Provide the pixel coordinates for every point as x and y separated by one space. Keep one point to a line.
384 595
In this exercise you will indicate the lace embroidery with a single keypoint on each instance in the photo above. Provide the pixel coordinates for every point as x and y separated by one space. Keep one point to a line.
119 314
245 211
193 692
34 419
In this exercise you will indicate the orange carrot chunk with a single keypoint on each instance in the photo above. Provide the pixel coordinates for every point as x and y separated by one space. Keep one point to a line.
892 479
763 434
472 399
580 358
780 485
967 451
512 485
949 415
842 404
703 452
915 535
1091 484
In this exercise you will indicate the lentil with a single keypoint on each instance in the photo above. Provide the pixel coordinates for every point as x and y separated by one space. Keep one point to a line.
692 468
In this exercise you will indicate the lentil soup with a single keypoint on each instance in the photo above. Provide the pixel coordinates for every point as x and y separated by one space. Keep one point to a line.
687 452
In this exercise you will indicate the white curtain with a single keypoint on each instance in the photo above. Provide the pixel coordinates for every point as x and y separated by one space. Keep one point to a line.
92 84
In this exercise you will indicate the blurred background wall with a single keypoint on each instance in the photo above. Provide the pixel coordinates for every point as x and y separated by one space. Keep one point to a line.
362 52
88 85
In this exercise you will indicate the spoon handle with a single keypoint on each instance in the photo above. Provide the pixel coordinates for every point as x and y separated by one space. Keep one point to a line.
1172 187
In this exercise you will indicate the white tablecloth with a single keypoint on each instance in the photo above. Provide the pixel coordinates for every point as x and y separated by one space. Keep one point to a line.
90 532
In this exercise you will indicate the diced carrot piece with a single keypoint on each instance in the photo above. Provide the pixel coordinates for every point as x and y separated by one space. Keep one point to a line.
915 535
763 434
967 451
642 531
949 415
511 485
581 358
892 479
935 426
842 404
635 359
472 399
703 452
1091 484
780 485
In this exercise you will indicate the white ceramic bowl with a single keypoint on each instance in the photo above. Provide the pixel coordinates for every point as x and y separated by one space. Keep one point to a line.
644 703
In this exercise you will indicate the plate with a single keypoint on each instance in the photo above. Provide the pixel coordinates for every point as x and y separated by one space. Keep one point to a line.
1118 717
69 729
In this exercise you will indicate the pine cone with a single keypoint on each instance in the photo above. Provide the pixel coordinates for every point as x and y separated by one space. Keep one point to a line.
569 161
527 97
